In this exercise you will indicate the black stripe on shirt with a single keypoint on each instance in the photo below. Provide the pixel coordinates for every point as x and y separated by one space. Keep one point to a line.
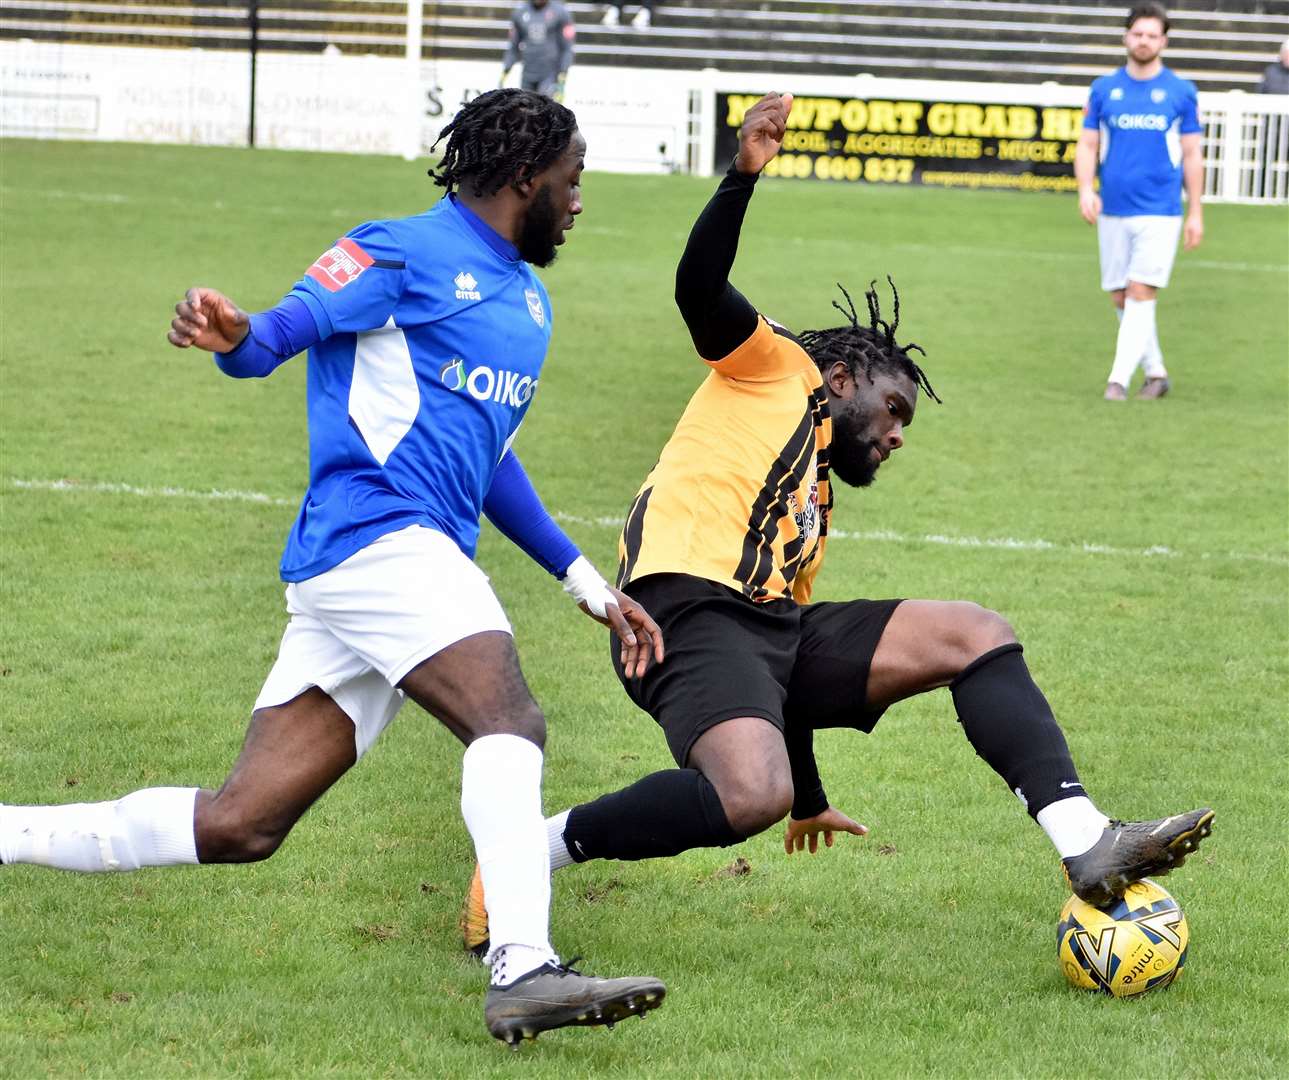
633 536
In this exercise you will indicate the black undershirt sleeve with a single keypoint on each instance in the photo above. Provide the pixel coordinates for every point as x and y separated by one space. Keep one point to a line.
719 317
808 797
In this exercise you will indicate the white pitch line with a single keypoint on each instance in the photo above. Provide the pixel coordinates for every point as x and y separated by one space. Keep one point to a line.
1004 543
214 495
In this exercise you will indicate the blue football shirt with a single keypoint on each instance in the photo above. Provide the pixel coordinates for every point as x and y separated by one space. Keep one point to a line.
433 333
1141 123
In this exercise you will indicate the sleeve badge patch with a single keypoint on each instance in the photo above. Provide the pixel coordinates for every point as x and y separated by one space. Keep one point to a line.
338 266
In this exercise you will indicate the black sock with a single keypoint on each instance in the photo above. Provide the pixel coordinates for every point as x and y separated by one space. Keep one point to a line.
1010 724
663 814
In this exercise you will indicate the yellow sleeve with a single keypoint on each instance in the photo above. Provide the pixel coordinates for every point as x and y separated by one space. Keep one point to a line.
763 357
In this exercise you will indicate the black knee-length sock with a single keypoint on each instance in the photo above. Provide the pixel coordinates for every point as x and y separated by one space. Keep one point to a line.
663 814
1010 724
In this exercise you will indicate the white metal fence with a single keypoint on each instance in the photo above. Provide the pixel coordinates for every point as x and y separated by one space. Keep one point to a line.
1246 147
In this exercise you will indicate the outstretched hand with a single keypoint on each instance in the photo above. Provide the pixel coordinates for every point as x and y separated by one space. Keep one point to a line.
638 634
799 833
208 319
761 135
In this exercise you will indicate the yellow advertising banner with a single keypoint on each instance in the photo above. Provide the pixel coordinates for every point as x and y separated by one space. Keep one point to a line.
959 144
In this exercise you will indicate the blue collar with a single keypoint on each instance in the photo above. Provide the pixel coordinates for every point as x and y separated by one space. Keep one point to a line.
486 232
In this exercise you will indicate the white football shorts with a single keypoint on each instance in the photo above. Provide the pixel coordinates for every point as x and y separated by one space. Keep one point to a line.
357 629
1138 249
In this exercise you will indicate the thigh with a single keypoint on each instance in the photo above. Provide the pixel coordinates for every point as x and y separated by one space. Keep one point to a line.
927 644
726 658
476 688
1114 244
831 676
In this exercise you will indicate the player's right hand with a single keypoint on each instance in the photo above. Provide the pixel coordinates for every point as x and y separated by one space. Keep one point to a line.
1090 206
800 833
761 135
208 319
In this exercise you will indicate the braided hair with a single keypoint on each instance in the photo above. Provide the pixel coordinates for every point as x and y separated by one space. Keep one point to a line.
866 348
502 137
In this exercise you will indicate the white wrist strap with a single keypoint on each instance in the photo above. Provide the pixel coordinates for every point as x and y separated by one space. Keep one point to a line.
583 583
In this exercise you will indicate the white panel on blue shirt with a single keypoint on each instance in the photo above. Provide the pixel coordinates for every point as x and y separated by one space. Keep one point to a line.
383 398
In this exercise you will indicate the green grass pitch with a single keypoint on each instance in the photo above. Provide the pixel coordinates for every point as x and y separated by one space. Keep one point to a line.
1139 549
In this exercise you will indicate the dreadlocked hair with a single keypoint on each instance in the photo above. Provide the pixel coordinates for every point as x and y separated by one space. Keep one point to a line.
502 137
865 349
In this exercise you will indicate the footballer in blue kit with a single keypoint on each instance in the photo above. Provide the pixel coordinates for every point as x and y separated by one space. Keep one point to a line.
1141 136
426 338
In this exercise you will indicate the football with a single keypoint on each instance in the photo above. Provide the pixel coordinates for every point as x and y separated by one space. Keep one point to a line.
1136 944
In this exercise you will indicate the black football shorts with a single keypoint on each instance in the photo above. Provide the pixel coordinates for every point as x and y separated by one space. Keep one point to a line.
728 657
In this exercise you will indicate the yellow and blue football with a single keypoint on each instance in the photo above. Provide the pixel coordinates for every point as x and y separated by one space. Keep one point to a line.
1136 944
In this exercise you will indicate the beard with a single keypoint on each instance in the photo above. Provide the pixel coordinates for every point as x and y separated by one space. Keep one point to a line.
541 227
852 458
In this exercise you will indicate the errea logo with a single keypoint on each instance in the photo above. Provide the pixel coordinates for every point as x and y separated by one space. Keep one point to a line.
467 287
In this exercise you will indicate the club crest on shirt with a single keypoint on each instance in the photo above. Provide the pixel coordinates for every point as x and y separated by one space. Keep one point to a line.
338 266
535 308
806 517
1158 94
467 287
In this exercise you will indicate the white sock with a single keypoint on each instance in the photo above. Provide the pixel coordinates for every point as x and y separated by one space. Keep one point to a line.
1073 825
511 962
501 801
152 827
1154 359
1134 337
559 853
1118 313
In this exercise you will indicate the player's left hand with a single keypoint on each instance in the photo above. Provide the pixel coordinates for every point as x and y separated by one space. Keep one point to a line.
800 833
761 134
1192 231
639 635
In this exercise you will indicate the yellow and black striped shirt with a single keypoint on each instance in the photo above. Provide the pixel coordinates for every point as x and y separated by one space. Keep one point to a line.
740 494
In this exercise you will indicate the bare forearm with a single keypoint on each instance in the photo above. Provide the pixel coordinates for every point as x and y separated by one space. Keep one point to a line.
1193 181
1085 164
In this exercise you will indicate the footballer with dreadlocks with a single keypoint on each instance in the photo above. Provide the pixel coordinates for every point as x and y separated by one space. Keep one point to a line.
723 543
426 338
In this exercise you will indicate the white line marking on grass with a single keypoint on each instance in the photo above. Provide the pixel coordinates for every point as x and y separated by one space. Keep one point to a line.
996 543
214 495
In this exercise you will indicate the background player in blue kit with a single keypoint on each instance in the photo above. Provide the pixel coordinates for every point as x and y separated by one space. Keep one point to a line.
426 337
1142 126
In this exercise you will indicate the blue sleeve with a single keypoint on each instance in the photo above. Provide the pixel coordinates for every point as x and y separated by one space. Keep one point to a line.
275 336
1092 111
355 285
513 507
1189 110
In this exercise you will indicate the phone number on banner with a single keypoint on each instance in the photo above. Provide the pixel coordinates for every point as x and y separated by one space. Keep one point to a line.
876 170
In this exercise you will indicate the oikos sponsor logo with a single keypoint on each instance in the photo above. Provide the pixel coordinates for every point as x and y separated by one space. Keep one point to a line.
487 384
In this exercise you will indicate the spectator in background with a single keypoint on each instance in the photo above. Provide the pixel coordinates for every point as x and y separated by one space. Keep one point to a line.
1275 79
541 39
616 13
1142 125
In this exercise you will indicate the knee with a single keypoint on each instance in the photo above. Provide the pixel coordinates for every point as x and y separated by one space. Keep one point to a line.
228 834
525 720
752 805
978 630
